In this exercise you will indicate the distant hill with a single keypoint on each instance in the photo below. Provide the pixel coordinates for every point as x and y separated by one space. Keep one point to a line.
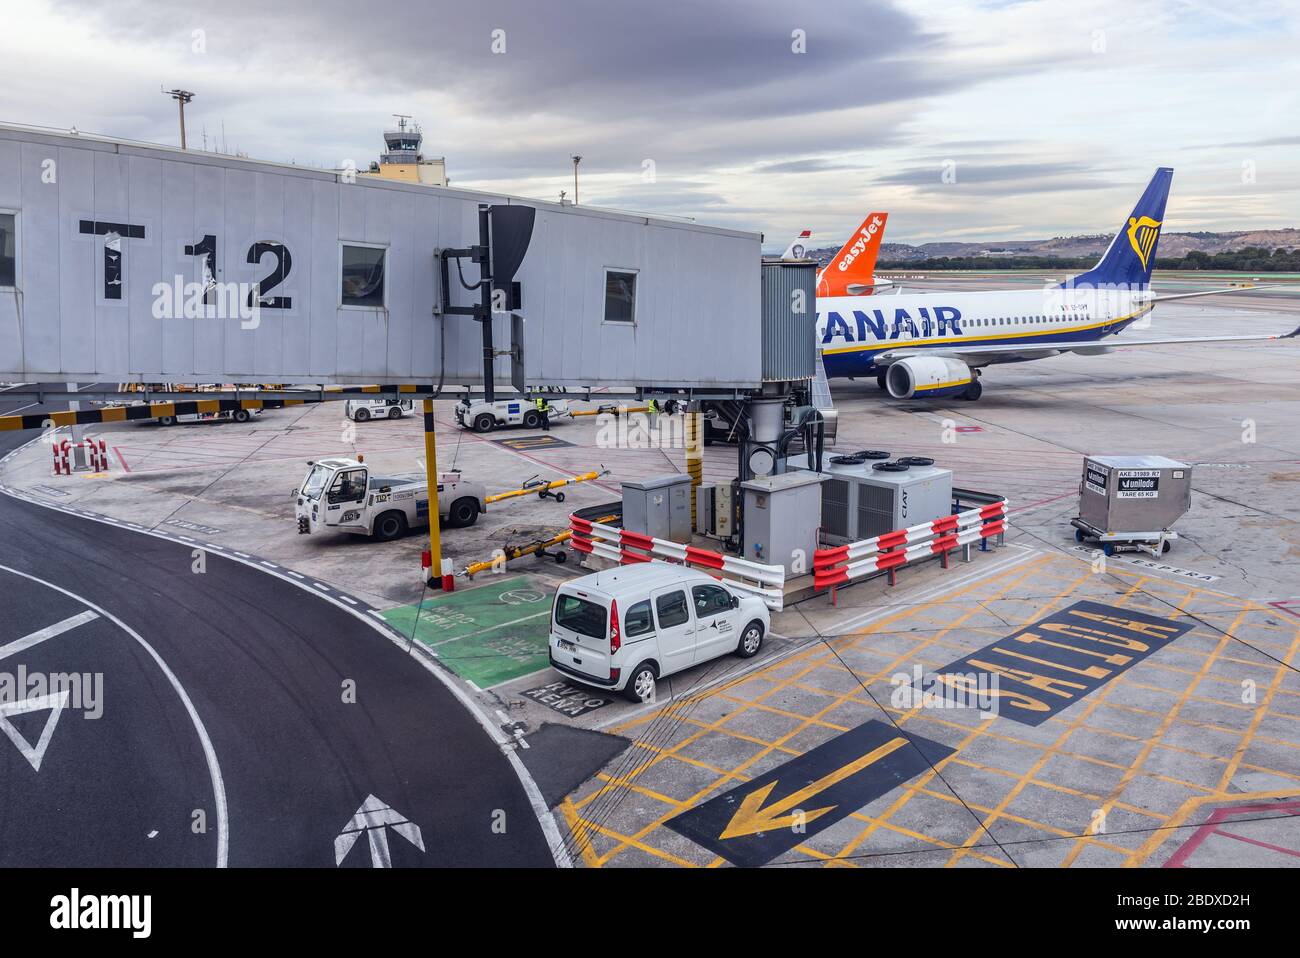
1172 246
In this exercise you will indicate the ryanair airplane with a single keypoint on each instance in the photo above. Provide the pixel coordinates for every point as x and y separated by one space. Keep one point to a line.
934 345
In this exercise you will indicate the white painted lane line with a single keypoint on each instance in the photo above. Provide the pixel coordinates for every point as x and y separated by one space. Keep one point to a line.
347 600
210 753
322 587
49 632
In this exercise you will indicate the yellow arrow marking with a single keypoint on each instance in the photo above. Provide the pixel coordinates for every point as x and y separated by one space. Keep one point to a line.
752 818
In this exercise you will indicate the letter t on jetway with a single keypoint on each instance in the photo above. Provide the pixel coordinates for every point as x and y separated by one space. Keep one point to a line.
431 469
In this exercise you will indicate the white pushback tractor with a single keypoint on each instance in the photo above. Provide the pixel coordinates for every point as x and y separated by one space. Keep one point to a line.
342 495
363 410
484 416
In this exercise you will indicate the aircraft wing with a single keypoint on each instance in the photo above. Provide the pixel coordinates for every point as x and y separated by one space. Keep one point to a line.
986 354
1210 292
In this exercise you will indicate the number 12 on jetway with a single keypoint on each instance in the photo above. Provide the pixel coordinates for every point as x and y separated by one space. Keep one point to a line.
114 262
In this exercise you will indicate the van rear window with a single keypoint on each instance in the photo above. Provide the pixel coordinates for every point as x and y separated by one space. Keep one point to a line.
581 616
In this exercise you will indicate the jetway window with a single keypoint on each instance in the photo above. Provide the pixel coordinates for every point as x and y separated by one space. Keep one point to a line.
620 296
8 250
362 280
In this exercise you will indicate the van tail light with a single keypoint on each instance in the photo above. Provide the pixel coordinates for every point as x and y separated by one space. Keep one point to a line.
615 640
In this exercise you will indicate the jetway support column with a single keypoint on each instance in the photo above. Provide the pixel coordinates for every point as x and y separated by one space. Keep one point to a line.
694 452
436 579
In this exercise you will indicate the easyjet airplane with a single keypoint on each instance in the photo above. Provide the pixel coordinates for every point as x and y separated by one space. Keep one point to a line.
851 271
936 344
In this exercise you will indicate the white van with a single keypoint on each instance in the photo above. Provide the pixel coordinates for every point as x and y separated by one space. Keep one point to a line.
363 410
625 628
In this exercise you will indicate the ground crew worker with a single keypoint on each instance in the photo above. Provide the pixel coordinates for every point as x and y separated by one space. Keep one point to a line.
544 408
652 413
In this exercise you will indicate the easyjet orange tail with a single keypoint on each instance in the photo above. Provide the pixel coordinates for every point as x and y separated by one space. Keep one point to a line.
855 264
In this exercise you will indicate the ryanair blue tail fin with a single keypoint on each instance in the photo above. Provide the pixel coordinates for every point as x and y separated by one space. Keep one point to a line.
1132 253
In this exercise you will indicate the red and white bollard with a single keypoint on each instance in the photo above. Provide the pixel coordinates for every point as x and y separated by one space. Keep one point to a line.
447 576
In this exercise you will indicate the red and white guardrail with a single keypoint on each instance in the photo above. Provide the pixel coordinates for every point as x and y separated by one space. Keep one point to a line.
624 547
886 552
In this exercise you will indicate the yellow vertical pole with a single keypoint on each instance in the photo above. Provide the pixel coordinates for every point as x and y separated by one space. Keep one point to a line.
431 471
694 454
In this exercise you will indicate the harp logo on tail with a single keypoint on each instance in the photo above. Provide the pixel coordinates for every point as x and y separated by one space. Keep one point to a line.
1142 234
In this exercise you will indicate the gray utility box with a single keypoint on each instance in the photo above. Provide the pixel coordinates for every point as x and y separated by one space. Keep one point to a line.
1134 493
781 516
859 502
659 506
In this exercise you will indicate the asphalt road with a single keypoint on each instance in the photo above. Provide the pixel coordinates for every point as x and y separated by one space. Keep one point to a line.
225 687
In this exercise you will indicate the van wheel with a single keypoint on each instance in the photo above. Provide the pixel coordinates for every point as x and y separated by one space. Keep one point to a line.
395 413
241 415
166 420
463 512
751 640
641 686
390 526
532 419
363 415
484 422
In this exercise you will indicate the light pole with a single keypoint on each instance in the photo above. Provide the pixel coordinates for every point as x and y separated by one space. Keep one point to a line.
576 160
181 97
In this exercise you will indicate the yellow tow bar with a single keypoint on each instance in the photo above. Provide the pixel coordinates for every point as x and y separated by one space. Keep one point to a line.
608 408
518 552
546 490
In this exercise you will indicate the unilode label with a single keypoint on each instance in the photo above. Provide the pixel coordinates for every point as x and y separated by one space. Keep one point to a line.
1094 477
1138 484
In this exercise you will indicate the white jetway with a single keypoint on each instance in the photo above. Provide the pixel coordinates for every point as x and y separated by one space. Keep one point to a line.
141 263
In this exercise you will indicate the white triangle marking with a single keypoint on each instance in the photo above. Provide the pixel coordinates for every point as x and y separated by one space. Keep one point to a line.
55 702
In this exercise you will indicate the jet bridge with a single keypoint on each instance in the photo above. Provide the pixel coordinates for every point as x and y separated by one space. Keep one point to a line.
137 263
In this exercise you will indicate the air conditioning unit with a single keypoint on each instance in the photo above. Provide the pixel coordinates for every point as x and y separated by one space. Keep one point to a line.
860 501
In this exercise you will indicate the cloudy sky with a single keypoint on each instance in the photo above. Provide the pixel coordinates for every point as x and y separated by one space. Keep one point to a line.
1048 116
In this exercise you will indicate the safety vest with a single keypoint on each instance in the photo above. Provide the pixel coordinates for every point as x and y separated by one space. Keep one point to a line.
654 406
541 404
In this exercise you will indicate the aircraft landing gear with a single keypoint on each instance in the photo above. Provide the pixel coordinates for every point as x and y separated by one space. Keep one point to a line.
880 380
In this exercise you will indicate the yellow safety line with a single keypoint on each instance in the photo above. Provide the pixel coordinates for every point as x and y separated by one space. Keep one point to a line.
1155 737
972 733
1023 572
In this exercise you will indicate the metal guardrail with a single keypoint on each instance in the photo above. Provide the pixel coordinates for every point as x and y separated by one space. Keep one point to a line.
887 552
624 547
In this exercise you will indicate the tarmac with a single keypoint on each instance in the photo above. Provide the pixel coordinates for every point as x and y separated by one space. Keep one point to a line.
1190 755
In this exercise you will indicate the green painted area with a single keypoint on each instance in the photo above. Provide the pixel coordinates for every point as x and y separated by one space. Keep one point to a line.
489 634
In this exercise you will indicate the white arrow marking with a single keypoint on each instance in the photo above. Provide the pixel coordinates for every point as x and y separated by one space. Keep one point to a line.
374 818
33 753
36 638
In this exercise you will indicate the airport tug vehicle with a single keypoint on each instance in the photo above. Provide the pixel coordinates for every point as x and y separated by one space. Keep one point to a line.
1128 503
343 495
363 410
484 416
